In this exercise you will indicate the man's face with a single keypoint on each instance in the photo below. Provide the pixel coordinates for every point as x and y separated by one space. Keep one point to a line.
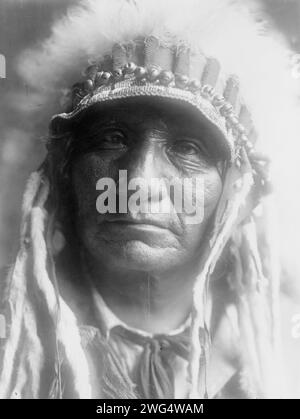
147 142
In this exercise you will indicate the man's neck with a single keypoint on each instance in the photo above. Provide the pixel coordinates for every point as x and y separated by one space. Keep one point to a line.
153 303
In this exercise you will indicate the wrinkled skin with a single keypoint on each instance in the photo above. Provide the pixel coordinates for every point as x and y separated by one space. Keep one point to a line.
147 142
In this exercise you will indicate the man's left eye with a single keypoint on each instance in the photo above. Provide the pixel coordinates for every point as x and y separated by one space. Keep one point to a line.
186 148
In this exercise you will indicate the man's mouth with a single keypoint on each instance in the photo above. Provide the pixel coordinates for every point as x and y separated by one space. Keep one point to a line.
137 222
141 223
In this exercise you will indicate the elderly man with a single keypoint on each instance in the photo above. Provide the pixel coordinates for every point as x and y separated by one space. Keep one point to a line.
147 299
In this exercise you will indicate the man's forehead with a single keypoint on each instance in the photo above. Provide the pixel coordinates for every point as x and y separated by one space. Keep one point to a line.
173 117
141 114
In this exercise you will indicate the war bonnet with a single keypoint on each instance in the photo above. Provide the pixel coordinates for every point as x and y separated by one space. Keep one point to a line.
213 57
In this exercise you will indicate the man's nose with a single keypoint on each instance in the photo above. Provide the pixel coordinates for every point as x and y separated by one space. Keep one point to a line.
145 163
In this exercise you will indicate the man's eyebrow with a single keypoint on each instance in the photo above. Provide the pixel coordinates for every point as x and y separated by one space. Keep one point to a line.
103 123
200 133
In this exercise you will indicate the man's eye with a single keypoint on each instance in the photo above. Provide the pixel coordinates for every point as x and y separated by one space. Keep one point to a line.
113 139
186 148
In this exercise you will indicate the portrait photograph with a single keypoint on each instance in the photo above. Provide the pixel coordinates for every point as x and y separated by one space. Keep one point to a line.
149 202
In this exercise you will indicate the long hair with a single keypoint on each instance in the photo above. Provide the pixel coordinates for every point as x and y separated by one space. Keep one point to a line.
32 300
32 289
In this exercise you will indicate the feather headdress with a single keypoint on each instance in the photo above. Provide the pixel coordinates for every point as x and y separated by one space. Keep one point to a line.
225 30
232 31
218 29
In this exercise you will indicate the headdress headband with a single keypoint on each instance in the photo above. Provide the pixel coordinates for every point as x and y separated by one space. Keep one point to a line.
149 68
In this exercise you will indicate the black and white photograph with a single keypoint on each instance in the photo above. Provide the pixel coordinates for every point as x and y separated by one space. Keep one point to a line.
149 202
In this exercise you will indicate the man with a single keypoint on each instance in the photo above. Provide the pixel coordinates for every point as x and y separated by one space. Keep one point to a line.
150 300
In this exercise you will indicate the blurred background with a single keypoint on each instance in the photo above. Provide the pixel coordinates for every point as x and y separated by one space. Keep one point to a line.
24 23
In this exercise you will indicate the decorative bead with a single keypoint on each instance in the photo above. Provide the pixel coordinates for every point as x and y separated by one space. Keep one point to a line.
98 78
153 73
218 100
129 68
194 85
207 90
240 129
91 72
232 119
78 92
105 77
166 77
140 72
181 81
226 109
88 85
118 74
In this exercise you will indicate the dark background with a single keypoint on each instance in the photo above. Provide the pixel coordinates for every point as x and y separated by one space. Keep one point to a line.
23 23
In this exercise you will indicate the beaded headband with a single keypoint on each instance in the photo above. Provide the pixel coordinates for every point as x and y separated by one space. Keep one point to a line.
147 68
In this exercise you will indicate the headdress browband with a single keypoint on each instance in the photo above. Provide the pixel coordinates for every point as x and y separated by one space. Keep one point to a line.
151 68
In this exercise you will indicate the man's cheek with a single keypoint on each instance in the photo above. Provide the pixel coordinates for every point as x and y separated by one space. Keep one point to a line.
201 195
212 193
85 195
85 175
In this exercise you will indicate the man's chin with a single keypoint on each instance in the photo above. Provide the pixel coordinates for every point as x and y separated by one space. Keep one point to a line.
138 255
